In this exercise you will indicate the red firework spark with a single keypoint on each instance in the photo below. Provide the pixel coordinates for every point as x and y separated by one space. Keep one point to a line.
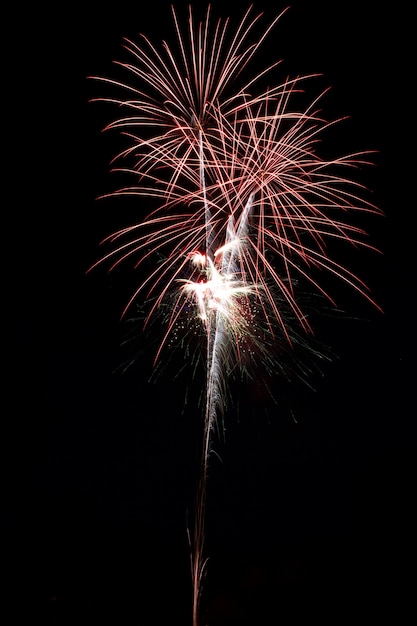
247 205
212 151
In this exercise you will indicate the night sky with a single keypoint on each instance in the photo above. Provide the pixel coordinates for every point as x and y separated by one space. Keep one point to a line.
310 501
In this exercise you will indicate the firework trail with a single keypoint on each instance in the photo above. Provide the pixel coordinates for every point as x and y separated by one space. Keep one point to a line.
245 203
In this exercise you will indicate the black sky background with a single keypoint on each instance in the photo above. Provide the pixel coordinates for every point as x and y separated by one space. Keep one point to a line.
310 509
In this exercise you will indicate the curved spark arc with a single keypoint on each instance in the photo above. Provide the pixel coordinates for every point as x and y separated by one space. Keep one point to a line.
245 200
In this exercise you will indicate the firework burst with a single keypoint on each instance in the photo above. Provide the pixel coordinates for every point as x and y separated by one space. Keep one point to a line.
245 203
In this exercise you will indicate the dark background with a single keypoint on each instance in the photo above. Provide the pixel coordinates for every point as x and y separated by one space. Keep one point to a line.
310 509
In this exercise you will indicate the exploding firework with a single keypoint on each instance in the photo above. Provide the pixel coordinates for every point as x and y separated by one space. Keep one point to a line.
245 209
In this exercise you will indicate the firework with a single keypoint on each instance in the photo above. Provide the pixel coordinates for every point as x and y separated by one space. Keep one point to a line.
245 203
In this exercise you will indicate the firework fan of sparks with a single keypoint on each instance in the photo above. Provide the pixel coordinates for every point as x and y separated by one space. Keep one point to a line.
245 203
239 176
